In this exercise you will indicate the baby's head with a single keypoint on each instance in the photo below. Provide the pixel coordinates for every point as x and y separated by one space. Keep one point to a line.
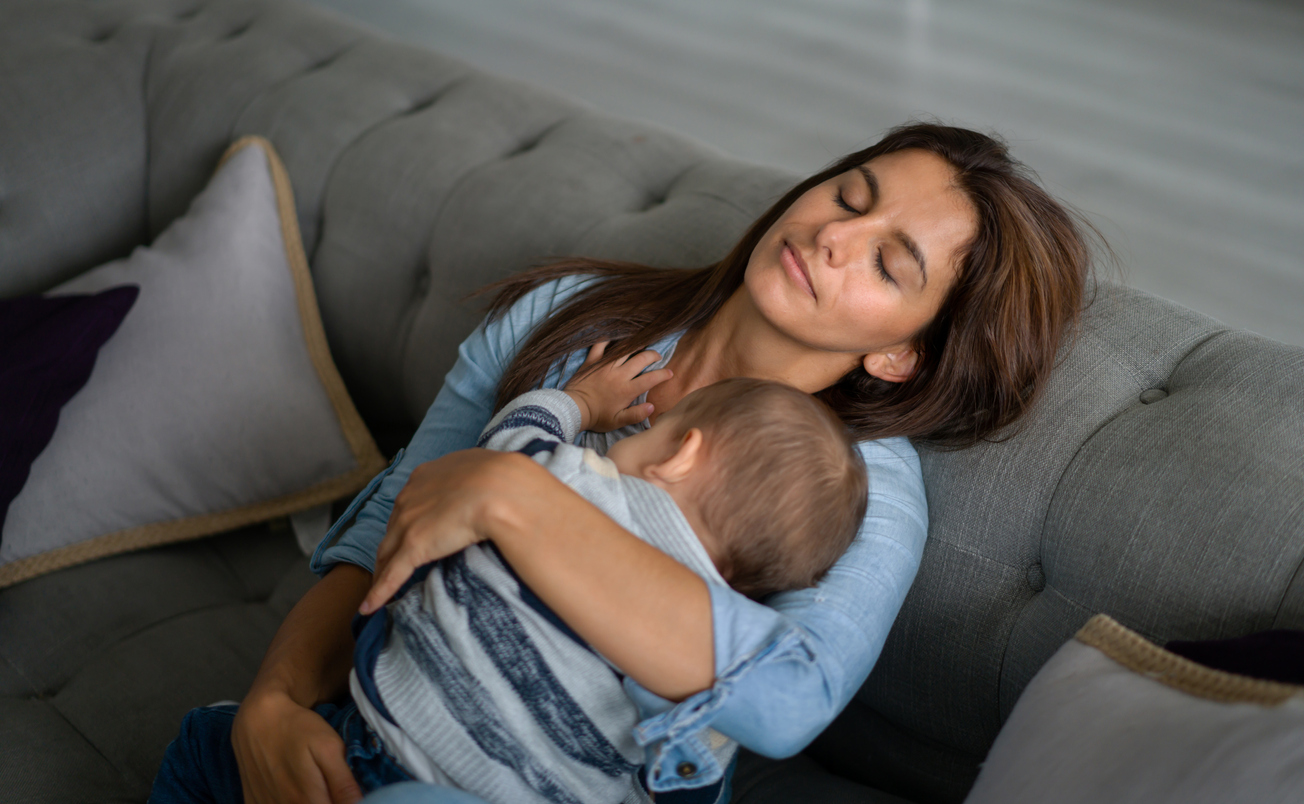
766 474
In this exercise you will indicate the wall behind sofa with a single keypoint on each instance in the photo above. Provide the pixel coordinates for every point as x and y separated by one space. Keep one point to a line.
1173 123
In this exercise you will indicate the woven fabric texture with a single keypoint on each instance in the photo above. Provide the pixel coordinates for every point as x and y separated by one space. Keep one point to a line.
1159 480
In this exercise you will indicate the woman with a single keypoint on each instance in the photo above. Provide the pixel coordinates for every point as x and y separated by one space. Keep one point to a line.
920 287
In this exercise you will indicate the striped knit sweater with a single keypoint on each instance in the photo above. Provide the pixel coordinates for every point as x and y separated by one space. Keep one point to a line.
471 681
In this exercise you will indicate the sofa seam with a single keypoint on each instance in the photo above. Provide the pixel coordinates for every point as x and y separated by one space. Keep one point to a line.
51 692
33 690
126 776
405 338
1005 648
1059 482
367 131
594 226
1195 343
145 125
275 85
1296 577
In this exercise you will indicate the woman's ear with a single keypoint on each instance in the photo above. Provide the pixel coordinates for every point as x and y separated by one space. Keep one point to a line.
681 464
894 366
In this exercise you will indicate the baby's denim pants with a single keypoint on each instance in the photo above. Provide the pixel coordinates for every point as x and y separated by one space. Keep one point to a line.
200 765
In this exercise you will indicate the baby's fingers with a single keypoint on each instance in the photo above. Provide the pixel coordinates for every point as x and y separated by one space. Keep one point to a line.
632 415
637 362
595 353
645 382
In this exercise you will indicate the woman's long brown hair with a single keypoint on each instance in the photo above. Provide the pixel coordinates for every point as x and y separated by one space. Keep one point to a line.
983 359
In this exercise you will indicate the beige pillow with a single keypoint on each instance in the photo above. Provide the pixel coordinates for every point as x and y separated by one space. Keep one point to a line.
215 404
1112 719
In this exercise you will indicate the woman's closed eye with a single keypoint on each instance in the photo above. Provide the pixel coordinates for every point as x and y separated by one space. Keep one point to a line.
841 200
882 269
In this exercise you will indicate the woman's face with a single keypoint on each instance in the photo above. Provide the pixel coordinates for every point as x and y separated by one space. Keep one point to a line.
861 263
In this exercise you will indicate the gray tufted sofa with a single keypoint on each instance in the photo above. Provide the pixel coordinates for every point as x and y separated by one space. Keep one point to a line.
1161 479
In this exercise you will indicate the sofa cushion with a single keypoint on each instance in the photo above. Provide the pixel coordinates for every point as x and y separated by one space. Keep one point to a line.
215 405
99 662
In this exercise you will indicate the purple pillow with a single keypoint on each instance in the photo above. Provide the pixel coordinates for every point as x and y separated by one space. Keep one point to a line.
1269 655
48 346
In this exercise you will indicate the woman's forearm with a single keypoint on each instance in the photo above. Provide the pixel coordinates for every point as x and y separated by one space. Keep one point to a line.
310 656
648 614
285 751
644 611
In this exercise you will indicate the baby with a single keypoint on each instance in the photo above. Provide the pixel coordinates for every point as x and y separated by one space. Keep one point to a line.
468 680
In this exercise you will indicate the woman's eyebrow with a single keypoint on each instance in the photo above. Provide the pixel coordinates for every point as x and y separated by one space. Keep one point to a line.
904 239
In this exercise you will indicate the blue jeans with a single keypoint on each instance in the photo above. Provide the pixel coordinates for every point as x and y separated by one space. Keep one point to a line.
199 766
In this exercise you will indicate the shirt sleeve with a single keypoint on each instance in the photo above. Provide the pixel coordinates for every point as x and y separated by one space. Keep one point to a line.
459 413
785 669
545 414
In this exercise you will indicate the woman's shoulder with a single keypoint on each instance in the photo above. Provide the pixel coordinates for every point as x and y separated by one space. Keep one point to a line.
895 453
895 474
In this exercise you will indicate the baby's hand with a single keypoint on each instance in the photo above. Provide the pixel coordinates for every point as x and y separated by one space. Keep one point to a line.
604 396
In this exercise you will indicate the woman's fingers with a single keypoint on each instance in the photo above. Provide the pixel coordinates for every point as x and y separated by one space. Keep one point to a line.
433 517
289 753
340 784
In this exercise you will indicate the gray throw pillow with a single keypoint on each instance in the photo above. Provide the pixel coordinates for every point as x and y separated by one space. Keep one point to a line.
1113 718
216 403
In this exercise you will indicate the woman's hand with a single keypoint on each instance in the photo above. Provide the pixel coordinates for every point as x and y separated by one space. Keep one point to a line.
445 507
287 752
605 396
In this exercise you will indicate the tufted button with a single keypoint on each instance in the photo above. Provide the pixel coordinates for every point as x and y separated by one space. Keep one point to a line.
1152 395
686 770
1036 578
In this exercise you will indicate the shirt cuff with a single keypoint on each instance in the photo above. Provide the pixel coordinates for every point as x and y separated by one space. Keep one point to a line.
675 739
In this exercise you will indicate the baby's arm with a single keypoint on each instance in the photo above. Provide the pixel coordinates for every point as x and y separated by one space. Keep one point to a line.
597 400
605 395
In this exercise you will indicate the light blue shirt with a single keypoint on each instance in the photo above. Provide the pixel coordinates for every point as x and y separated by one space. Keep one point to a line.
785 668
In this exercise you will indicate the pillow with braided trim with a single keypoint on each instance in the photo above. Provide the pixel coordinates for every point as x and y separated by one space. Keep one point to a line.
215 404
1113 718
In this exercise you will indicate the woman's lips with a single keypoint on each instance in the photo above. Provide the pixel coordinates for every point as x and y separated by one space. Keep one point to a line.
795 266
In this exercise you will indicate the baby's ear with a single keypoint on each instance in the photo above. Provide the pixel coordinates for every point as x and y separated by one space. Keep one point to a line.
684 459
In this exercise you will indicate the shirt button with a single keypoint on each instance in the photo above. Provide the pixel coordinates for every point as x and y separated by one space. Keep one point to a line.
686 770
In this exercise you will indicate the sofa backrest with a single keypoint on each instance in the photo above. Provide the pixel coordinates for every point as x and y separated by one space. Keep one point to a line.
1160 479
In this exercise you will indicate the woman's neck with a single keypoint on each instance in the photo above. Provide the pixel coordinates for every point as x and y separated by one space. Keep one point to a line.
739 342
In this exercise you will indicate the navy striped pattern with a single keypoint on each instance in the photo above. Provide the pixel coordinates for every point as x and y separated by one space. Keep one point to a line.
474 709
514 654
526 416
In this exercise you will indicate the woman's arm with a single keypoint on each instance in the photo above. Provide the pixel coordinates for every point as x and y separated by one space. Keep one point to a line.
282 746
454 421
781 671
286 752
785 669
647 613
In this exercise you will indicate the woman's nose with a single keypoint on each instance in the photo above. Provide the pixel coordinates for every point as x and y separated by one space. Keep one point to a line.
844 242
